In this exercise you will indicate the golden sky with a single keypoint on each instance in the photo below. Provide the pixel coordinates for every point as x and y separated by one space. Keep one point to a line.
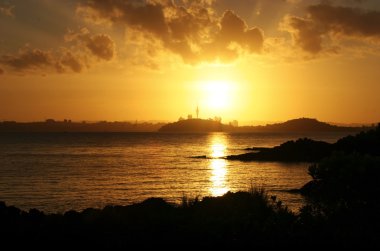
249 60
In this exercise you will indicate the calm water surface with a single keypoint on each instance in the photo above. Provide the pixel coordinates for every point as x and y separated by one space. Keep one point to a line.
56 172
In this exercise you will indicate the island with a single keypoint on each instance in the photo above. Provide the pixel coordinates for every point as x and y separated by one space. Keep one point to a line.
290 126
195 125
308 150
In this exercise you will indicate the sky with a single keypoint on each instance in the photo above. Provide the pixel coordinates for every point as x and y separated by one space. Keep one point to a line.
245 60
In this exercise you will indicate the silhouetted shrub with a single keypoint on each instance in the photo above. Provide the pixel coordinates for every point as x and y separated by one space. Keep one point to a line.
344 201
235 219
365 143
343 178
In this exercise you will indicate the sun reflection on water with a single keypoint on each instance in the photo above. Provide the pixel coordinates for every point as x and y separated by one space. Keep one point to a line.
218 166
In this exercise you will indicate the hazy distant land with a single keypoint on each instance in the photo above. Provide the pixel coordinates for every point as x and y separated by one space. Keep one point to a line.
51 125
181 126
294 125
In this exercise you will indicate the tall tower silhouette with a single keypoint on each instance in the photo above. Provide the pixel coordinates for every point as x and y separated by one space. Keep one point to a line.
197 111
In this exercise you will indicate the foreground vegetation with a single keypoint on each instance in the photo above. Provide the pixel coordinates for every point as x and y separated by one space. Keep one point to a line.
242 218
343 200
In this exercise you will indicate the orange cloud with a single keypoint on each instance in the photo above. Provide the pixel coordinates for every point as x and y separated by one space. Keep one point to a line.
347 21
28 59
190 30
325 22
6 10
77 58
306 34
100 45
36 60
234 29
69 60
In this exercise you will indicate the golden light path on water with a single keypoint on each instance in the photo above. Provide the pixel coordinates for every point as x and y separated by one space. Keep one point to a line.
218 166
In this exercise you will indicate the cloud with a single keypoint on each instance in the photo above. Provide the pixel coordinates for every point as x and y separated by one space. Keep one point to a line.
234 29
326 23
100 45
147 16
347 21
306 34
69 60
6 10
189 29
27 59
83 50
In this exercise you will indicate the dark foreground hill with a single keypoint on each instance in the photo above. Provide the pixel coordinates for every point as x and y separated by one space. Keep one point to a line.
233 220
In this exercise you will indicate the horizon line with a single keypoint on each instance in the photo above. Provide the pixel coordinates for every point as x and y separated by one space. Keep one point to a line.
162 121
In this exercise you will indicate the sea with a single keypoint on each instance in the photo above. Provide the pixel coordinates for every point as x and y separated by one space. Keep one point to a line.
57 172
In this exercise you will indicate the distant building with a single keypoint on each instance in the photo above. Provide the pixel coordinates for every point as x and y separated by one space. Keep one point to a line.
50 121
218 119
189 116
234 123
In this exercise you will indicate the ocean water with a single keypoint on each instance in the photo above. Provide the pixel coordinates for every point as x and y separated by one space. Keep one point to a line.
56 172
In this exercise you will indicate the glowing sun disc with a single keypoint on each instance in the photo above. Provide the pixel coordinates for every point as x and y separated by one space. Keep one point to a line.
217 93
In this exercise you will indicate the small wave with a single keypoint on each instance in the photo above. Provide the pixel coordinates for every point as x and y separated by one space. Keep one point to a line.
199 157
206 157
256 149
75 155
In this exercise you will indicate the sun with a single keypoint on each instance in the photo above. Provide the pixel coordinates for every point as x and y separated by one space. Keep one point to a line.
217 93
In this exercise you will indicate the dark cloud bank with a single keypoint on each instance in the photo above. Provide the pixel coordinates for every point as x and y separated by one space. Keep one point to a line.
86 48
334 22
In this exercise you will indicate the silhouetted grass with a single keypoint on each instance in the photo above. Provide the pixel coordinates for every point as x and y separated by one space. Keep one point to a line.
241 218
